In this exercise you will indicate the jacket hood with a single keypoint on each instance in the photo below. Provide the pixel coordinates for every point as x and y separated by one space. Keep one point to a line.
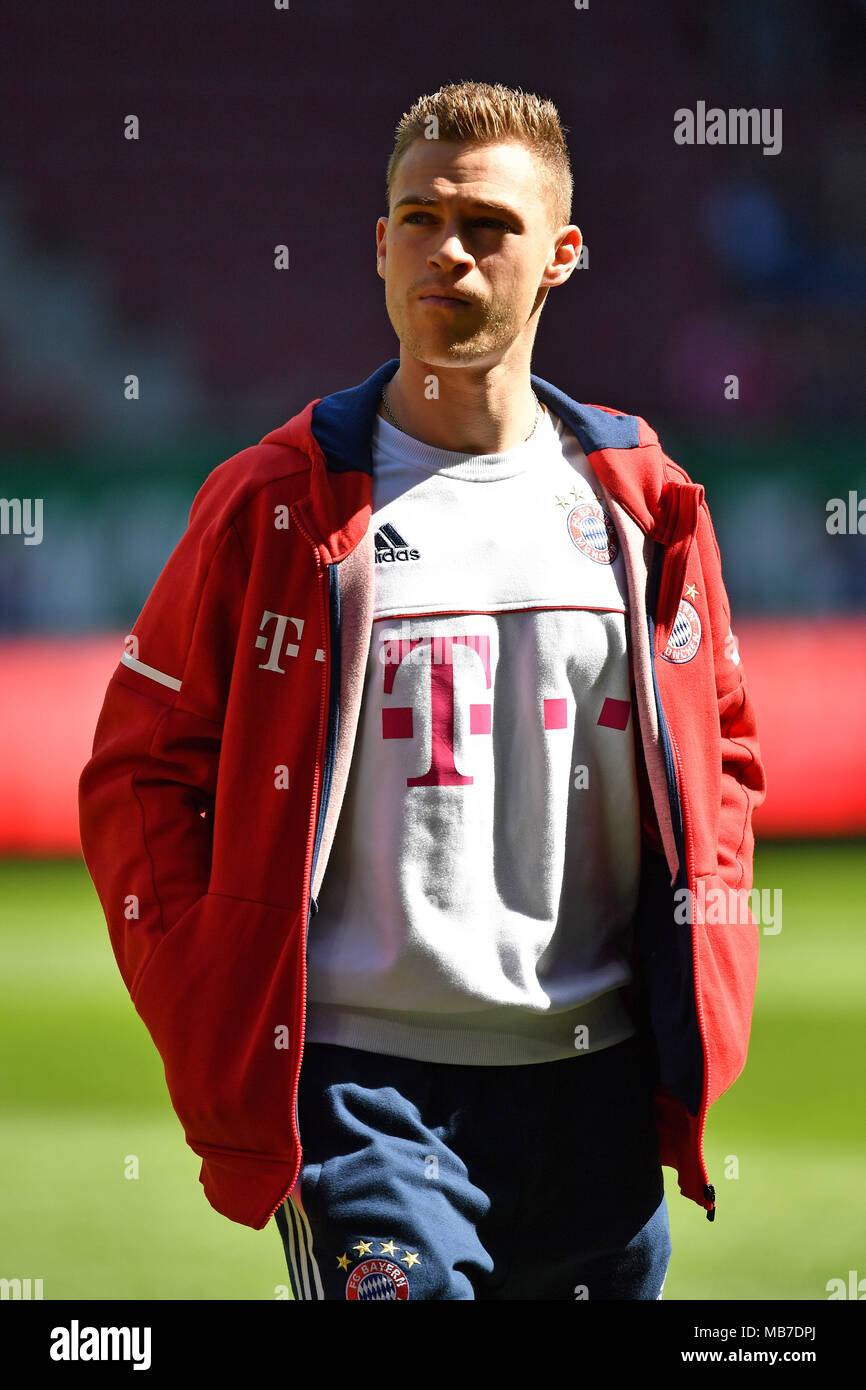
335 432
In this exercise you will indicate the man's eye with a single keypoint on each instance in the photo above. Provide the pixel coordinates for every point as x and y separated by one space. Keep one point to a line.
479 221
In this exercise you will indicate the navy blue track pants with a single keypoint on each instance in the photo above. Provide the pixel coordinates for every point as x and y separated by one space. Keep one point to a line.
425 1180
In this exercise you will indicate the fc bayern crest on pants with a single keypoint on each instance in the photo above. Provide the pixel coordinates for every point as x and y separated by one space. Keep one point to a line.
377 1280
592 532
685 635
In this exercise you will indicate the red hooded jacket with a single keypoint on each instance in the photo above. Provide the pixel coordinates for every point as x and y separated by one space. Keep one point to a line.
220 760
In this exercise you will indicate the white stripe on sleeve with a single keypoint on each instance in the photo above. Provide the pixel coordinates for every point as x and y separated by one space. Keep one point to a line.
150 671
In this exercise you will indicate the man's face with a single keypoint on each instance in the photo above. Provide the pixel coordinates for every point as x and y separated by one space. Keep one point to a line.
441 237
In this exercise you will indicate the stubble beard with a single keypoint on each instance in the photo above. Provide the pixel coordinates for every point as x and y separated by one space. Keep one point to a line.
497 331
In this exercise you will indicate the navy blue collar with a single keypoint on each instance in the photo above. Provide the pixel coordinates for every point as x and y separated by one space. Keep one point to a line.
343 422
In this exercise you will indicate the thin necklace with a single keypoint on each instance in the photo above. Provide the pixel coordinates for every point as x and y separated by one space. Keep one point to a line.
395 421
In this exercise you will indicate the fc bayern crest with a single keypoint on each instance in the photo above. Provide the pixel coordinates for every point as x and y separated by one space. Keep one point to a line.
685 636
592 532
377 1279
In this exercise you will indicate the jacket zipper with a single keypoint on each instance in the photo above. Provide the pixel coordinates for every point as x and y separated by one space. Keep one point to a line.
709 1190
311 834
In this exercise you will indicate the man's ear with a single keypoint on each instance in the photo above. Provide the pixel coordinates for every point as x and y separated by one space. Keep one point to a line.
566 257
381 229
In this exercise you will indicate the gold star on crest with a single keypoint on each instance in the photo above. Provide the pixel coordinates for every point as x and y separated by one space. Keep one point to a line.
691 591
343 1261
388 1248
364 1247
570 498
409 1259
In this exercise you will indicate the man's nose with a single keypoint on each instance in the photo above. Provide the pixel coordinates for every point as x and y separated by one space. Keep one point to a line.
451 250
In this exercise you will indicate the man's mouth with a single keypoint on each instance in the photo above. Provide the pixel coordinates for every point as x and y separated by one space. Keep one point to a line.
446 301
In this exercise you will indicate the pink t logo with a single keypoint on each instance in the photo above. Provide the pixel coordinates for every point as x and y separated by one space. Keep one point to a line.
397 723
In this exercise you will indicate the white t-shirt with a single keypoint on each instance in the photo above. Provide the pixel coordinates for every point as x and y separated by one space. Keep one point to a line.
478 901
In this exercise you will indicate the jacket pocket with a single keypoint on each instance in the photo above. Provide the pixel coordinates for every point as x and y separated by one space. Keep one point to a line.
221 999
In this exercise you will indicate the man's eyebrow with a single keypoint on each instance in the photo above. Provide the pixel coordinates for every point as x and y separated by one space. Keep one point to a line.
419 200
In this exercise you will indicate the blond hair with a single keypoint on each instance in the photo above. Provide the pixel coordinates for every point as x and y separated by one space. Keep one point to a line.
481 113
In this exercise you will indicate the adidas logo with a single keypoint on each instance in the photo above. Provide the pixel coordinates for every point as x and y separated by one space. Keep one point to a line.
390 545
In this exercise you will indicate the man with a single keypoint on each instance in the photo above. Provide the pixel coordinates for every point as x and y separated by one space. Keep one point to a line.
428 739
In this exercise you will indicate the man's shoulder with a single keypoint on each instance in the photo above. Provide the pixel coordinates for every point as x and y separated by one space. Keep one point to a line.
277 462
646 437
615 431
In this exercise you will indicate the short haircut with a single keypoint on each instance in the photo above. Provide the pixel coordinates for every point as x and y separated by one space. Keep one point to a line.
484 114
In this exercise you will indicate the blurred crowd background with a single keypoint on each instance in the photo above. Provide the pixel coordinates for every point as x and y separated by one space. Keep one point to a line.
258 127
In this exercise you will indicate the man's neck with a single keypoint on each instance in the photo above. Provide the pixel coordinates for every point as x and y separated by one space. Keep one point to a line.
473 412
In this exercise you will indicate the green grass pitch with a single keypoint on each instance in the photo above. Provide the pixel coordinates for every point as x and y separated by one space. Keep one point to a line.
83 1089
